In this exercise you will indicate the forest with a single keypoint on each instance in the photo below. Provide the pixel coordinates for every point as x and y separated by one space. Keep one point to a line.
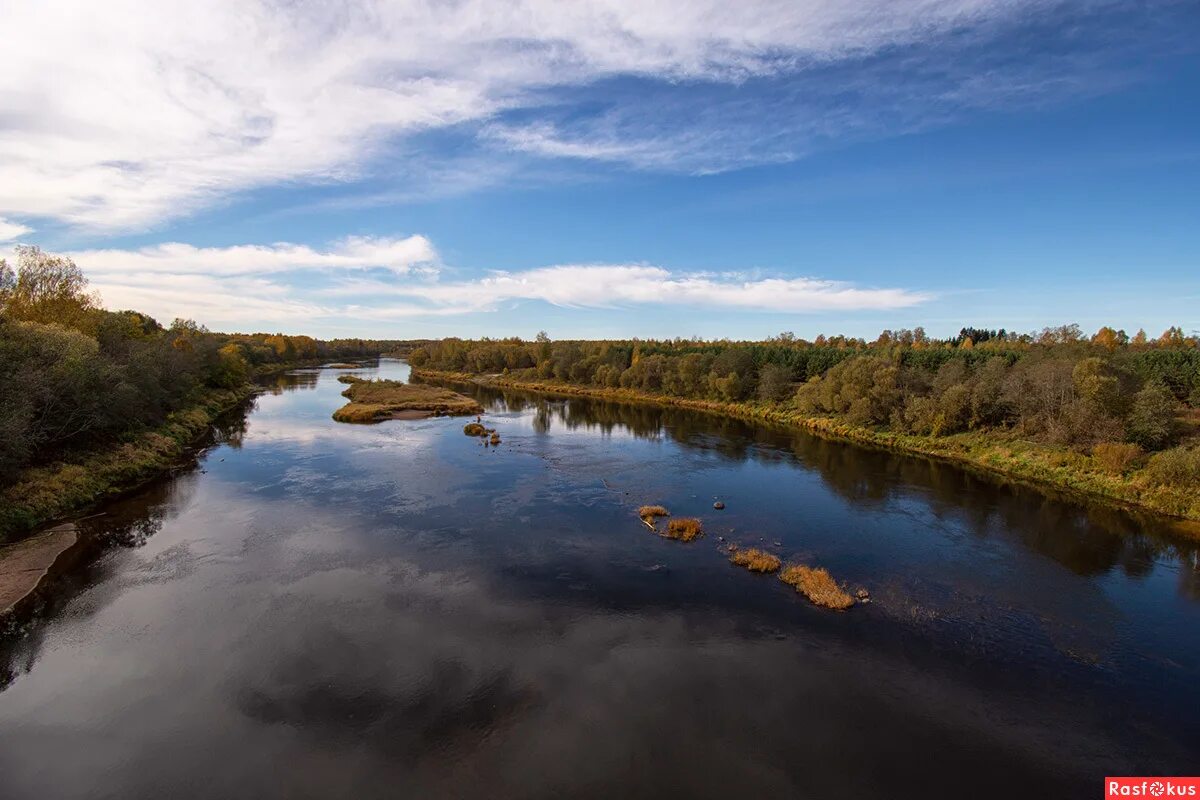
1127 401
75 377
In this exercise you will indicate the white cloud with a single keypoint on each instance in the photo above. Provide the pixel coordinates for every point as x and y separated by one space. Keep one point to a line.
246 286
12 230
124 113
401 255
616 285
357 281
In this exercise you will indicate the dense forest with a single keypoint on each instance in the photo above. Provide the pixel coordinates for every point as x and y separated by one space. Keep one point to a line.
1117 397
75 376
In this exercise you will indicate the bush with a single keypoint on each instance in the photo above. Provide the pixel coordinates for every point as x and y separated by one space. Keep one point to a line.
730 388
937 416
1152 418
418 357
774 382
1116 457
865 389
1179 466
1080 423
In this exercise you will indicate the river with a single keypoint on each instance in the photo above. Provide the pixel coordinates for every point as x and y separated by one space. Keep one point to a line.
395 610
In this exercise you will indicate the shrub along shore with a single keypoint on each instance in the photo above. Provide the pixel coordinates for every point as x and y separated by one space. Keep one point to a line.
82 480
1000 453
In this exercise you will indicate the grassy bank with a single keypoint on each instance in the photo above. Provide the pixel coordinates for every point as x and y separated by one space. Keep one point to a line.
51 491
997 453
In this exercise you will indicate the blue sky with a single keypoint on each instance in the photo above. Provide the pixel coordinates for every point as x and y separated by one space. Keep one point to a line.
611 169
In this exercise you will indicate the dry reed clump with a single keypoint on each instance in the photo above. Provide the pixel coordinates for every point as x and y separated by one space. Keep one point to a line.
817 585
495 440
685 529
653 512
755 560
1116 457
360 412
343 365
350 379
474 429
650 515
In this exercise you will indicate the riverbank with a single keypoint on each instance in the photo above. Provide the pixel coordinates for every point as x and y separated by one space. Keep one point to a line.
52 491
25 564
1004 456
81 480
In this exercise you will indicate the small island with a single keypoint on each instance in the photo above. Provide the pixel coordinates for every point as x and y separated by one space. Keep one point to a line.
374 401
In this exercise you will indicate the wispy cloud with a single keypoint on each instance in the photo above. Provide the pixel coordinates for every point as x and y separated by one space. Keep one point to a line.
122 114
400 255
361 282
615 285
222 303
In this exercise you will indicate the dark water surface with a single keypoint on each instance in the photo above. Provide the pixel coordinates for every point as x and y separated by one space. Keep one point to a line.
322 610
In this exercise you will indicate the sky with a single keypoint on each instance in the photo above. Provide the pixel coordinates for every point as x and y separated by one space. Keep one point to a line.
612 168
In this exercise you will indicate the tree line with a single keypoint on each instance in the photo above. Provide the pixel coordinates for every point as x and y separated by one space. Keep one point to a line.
1056 385
74 375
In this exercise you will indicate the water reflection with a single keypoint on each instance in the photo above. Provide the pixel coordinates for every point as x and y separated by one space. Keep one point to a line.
1087 538
292 380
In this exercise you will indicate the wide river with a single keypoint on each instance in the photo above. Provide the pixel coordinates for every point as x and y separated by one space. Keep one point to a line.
320 610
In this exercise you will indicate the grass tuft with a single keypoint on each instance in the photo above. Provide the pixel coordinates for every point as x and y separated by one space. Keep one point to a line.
1116 458
685 529
817 585
755 560
653 512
